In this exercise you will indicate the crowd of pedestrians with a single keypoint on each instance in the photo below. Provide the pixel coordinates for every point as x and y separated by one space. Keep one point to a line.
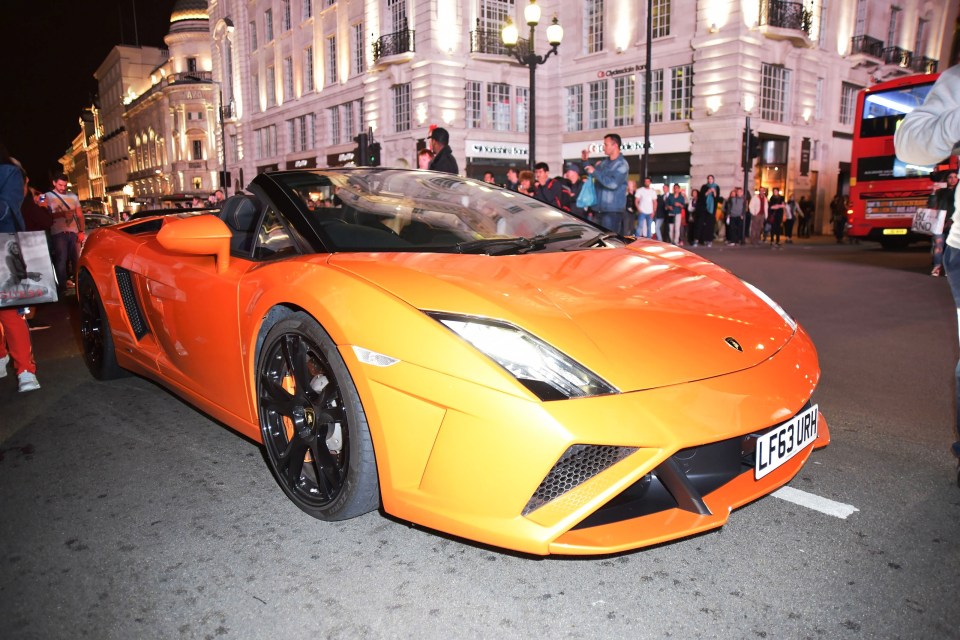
698 218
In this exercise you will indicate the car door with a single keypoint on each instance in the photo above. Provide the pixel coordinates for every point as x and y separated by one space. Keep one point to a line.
193 310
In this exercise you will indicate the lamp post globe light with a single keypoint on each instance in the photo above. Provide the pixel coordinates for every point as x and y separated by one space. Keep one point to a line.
525 55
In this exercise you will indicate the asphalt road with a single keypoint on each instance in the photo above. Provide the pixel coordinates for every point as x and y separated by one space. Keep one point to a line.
125 513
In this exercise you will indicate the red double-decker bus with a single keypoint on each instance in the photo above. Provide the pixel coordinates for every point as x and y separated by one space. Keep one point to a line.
884 191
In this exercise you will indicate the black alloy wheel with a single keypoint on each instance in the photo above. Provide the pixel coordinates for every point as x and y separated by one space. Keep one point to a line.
98 350
314 429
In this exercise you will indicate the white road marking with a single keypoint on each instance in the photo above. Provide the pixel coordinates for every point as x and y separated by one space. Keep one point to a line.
815 502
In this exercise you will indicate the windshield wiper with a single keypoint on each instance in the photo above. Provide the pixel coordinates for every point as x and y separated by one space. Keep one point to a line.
501 246
599 240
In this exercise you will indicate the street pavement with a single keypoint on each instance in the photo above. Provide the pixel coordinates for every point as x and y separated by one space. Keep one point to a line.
128 514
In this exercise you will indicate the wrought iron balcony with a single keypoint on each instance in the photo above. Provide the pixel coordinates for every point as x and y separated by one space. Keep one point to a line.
785 15
897 56
394 44
190 76
923 64
866 45
487 41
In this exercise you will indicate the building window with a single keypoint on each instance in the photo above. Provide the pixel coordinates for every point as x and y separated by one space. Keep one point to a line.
359 51
334 124
473 104
288 78
255 88
498 106
848 102
191 65
401 107
300 133
266 140
894 29
397 10
681 92
268 25
597 113
920 46
774 85
253 36
575 108
307 9
656 94
348 121
523 109
228 71
493 15
285 8
271 87
361 118
593 26
331 60
234 149
818 105
860 27
660 18
198 184
308 81
624 101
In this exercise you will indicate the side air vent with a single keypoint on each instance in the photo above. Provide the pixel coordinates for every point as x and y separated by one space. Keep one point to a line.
578 464
130 304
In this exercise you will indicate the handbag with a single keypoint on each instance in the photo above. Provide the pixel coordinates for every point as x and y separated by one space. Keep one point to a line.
588 194
26 270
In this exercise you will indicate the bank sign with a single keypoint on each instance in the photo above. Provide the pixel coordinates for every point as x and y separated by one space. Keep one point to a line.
613 73
507 150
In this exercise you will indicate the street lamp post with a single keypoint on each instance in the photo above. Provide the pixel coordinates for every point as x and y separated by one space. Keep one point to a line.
529 58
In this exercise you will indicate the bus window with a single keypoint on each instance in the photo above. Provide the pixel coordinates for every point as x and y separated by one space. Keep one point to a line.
883 110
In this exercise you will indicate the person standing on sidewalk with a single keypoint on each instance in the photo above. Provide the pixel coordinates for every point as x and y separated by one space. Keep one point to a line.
443 159
610 180
928 134
66 226
15 342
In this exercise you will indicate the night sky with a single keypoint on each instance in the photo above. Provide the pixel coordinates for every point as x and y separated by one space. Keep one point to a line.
50 49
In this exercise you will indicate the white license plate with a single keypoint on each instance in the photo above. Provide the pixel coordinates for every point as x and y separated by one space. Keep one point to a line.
784 442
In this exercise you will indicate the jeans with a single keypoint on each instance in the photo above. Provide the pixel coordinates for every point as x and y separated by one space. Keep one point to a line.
951 264
645 225
612 221
64 251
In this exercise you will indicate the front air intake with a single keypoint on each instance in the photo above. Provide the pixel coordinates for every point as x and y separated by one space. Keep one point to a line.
578 464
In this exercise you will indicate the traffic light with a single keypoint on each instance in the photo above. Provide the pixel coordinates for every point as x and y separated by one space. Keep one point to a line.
361 151
373 155
754 146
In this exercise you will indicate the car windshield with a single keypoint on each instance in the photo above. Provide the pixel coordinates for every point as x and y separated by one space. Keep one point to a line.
406 210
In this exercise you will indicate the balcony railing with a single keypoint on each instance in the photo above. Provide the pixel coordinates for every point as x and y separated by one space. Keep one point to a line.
923 64
866 45
785 15
897 56
487 41
190 76
394 44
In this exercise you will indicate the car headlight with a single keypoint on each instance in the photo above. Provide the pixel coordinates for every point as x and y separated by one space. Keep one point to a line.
546 372
773 305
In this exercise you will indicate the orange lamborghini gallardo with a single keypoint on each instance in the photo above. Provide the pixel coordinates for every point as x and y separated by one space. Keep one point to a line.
470 359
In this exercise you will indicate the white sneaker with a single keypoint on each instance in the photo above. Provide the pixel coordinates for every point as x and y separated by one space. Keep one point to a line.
28 381
4 361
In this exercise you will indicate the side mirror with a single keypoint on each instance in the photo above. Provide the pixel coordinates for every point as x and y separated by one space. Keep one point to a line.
203 235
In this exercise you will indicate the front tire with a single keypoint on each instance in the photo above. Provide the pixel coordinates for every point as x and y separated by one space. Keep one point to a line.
313 425
95 336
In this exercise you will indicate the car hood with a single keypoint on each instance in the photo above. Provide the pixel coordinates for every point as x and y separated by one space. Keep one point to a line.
643 316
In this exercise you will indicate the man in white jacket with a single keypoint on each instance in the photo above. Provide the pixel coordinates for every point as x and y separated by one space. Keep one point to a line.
927 135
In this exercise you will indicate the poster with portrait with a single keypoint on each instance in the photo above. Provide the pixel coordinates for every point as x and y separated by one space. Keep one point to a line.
26 272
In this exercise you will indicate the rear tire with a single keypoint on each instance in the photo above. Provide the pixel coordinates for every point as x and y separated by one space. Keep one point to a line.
314 429
96 338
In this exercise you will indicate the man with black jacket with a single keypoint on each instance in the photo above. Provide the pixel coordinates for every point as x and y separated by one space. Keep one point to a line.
443 159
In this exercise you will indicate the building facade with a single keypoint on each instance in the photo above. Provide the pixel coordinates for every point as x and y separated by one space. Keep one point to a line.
296 80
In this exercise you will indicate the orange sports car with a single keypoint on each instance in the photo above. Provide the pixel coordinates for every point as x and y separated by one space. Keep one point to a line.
471 359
